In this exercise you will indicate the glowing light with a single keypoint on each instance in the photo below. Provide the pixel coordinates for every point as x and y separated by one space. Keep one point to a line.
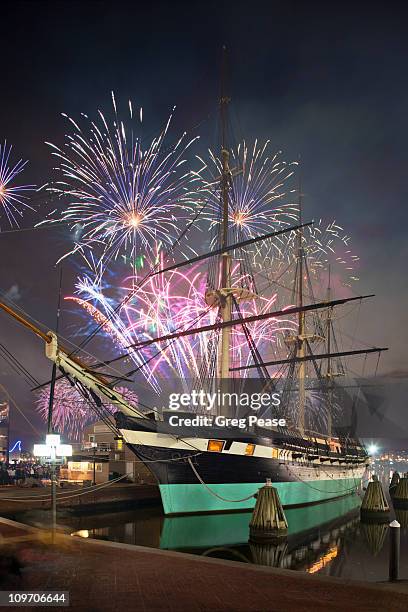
373 449
82 533
16 445
135 220
52 448
324 560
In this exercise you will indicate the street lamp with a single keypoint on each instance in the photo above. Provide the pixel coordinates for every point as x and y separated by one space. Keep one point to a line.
373 449
94 449
53 449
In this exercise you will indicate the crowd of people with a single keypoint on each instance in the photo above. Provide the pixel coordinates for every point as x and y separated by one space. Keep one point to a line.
22 473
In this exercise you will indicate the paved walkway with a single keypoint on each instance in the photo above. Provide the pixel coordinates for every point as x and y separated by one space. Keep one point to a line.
110 576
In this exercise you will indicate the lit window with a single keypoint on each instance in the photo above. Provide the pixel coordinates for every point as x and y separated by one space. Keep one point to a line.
250 449
88 467
215 445
275 453
119 444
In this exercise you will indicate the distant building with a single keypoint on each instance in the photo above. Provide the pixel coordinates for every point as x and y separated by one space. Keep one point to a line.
116 459
4 429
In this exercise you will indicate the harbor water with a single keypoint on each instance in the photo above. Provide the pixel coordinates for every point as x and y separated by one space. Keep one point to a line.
326 538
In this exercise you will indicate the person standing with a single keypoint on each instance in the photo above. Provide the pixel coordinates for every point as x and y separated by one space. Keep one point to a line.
12 474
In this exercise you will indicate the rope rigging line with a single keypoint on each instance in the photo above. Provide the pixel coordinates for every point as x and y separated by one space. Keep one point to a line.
141 282
237 501
17 366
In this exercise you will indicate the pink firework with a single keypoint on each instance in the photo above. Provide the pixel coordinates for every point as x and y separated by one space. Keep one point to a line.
71 411
173 302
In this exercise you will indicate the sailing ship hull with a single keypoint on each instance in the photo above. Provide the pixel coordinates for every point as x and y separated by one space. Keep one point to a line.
195 480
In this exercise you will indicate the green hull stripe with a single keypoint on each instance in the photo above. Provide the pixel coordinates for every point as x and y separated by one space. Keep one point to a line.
232 529
186 498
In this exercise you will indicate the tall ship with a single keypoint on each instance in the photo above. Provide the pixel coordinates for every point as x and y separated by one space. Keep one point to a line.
315 456
305 444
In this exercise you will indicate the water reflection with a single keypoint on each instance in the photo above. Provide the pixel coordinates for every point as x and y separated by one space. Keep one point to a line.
314 534
374 536
326 538
402 517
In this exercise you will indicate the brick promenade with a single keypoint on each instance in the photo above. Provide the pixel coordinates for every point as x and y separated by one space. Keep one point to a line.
109 576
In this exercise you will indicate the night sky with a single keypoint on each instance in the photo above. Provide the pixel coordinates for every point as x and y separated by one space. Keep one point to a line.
326 81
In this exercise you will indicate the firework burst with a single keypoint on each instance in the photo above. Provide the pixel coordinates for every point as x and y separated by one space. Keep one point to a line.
13 200
173 302
122 195
71 411
258 195
326 245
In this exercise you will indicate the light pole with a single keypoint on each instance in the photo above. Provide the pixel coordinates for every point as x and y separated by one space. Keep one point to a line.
52 449
94 447
8 422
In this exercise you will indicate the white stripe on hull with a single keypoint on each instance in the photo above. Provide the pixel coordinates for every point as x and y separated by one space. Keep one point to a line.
313 470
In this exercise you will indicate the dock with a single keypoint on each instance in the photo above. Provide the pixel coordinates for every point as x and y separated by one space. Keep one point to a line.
127 495
111 576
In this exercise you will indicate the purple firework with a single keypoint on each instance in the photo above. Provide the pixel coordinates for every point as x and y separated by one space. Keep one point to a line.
12 197
72 411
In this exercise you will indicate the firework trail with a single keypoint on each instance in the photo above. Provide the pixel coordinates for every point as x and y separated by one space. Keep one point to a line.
173 302
259 186
123 196
13 200
324 244
92 298
71 411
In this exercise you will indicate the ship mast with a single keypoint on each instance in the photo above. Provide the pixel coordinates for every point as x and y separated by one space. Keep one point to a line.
300 353
328 348
225 295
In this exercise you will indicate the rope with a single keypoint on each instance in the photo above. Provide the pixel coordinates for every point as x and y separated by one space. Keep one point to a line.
237 501
64 495
348 490
92 489
354 488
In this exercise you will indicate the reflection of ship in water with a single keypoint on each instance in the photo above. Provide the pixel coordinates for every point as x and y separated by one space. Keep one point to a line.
374 535
315 535
401 515
324 538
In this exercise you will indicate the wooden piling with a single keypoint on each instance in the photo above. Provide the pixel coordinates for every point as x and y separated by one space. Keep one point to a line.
374 535
401 514
375 507
400 496
270 554
394 481
268 522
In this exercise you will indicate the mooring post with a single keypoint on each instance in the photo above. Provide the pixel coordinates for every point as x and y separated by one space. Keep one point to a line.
400 494
395 532
394 482
374 507
268 521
